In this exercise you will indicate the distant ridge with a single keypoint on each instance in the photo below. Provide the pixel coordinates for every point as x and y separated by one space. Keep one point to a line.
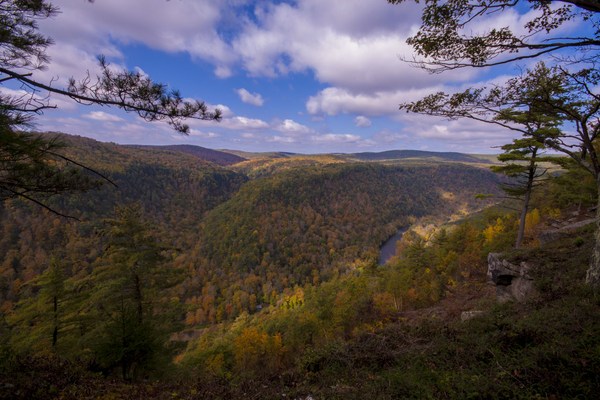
252 155
418 154
214 156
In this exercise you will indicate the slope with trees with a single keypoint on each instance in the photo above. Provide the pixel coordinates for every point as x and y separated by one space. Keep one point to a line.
310 224
174 189
566 91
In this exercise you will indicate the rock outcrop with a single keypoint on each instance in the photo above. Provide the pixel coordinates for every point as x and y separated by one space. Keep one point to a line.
513 282
563 231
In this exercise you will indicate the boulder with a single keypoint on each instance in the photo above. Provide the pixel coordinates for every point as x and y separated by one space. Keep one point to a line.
513 282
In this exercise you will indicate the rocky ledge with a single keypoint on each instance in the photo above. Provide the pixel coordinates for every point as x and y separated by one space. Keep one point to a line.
513 282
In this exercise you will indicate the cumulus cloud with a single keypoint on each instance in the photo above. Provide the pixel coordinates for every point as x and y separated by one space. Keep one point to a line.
102 116
362 121
140 71
334 101
190 27
250 98
223 72
468 134
225 110
244 123
291 127
338 43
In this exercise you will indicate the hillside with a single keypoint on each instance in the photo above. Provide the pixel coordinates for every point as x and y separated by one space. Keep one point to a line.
174 190
300 219
214 156
268 164
309 224
345 340
263 279
418 155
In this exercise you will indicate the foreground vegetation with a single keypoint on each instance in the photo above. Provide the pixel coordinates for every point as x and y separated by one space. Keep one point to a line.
124 310
327 348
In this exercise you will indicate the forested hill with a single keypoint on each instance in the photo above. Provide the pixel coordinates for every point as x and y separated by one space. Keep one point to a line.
214 156
418 155
196 246
309 224
174 190
244 234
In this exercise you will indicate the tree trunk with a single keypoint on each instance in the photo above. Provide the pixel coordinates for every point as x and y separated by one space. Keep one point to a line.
593 272
138 297
528 189
55 323
523 219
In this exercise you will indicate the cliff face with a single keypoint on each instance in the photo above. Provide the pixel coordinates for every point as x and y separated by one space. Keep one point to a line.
513 282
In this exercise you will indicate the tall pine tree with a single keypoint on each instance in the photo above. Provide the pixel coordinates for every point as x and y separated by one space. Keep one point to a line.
130 298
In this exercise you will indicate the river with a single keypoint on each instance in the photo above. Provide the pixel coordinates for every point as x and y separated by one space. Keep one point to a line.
388 248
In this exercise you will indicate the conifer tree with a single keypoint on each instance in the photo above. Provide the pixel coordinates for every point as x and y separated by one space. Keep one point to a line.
43 321
521 160
134 314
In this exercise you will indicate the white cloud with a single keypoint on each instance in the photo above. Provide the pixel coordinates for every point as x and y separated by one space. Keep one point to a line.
225 110
201 134
362 121
223 72
244 123
141 72
463 132
334 101
282 139
291 127
102 116
250 98
338 43
329 138
189 27
387 136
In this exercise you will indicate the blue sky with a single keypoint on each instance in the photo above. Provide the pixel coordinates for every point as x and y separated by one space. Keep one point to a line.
307 76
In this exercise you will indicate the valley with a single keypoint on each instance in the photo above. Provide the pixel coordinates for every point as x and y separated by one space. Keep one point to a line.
255 268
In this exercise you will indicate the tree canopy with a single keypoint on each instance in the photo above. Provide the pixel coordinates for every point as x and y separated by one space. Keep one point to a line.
451 34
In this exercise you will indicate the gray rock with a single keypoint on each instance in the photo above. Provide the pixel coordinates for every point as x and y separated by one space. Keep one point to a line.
513 282
467 315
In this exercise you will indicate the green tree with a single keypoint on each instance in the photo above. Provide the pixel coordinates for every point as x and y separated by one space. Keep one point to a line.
552 98
130 300
521 160
44 319
447 40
